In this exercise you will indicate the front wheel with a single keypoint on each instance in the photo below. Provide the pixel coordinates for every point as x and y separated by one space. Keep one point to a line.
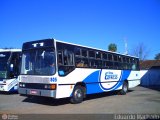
124 89
77 95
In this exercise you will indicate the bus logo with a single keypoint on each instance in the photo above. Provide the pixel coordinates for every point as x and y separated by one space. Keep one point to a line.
110 75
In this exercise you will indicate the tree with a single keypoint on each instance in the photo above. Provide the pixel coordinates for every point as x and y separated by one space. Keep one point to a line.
140 51
157 56
112 47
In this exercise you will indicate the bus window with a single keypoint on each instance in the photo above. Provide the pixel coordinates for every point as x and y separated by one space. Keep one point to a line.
105 56
134 67
119 58
116 65
124 60
98 55
68 57
81 62
92 63
28 62
91 54
98 63
84 53
110 57
65 62
110 64
105 65
60 58
115 57
77 51
127 60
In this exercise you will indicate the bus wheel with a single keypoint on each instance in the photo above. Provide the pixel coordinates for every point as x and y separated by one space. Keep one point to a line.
77 95
124 89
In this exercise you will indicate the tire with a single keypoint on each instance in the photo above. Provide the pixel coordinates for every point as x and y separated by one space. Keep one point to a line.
124 89
77 95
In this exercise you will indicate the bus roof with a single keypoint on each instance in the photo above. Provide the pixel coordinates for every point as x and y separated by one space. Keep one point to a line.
10 50
26 44
94 48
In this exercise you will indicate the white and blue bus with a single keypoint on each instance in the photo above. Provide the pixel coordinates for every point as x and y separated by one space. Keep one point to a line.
9 69
57 69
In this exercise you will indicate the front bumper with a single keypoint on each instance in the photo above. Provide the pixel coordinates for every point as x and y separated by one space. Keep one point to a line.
3 87
37 92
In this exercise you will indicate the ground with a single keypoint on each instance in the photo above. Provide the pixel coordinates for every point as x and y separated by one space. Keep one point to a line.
139 100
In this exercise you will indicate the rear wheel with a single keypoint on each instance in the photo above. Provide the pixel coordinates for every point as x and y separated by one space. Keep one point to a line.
77 95
124 89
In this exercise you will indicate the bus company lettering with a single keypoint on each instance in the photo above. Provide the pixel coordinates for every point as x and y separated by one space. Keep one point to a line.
110 75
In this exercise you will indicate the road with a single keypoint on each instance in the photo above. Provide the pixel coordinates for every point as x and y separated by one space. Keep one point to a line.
139 100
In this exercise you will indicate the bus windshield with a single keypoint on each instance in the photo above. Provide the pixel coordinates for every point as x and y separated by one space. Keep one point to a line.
4 58
38 62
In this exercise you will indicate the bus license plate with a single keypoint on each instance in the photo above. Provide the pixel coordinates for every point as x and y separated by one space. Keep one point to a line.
33 92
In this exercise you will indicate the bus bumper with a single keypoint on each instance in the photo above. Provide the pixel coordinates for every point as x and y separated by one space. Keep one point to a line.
5 88
37 92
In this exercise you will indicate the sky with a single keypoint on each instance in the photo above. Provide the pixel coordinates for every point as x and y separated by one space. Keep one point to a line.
94 23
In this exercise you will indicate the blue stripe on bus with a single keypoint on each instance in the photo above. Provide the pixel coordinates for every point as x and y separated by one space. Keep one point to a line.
125 75
93 88
94 78
13 89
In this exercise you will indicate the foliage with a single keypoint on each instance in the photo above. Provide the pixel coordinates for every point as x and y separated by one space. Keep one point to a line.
112 47
157 56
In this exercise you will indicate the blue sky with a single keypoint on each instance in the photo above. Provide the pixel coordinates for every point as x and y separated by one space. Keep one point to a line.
95 23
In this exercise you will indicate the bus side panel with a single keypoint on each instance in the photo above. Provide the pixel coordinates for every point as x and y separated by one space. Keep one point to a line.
96 81
10 85
108 80
134 79
66 84
92 82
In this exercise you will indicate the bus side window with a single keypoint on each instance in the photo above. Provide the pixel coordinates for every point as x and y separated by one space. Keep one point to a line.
77 51
110 57
91 54
110 64
84 53
134 67
60 58
98 55
68 57
65 62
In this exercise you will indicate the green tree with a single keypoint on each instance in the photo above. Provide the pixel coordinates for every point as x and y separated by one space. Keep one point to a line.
157 56
112 47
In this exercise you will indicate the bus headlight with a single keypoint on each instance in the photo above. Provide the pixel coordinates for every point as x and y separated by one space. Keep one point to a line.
22 85
46 86
4 81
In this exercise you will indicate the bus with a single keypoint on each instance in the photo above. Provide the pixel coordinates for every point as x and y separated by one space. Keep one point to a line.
9 69
57 69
